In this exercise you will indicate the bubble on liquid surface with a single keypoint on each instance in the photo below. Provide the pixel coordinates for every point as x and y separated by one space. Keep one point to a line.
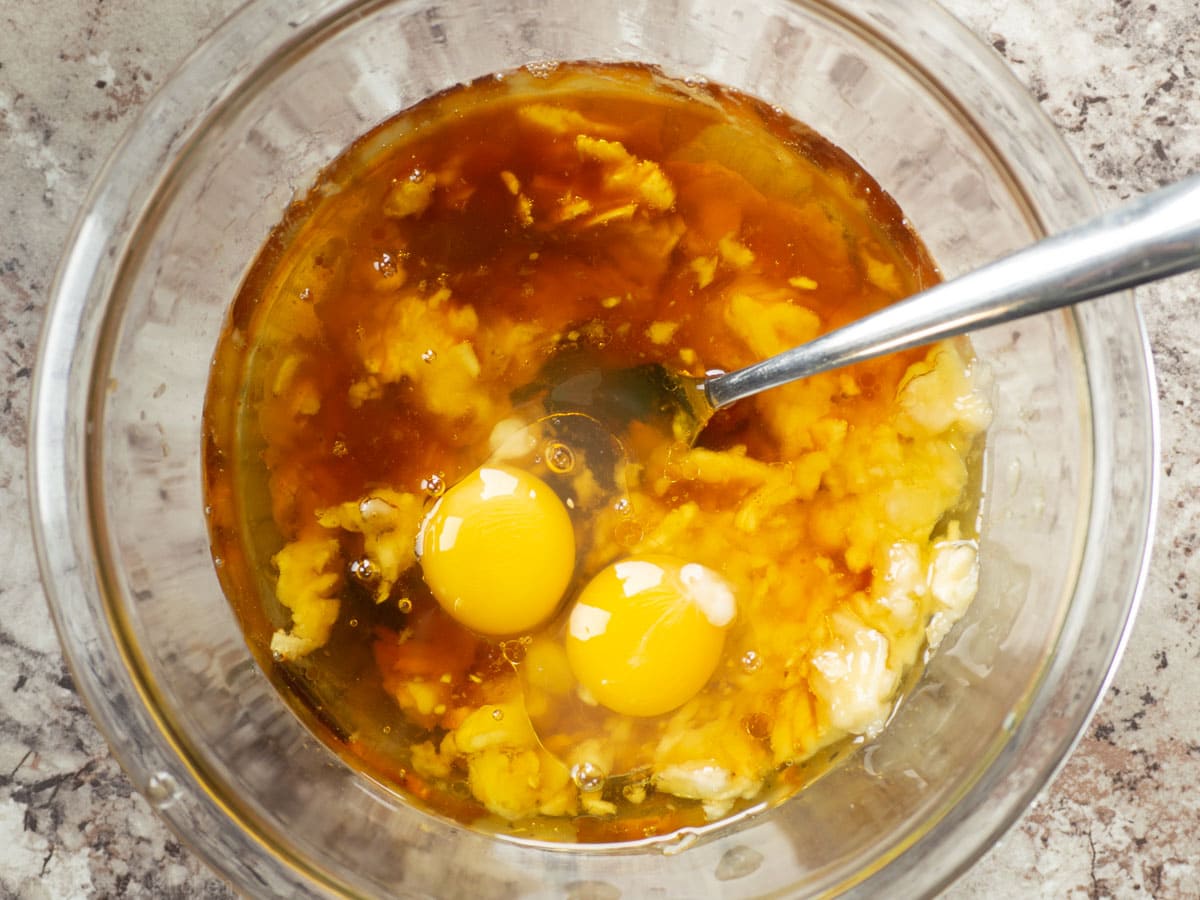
587 776
559 457
385 265
434 485
541 69
363 571
429 356
514 651
751 661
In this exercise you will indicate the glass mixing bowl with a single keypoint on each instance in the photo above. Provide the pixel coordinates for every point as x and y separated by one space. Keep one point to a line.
159 251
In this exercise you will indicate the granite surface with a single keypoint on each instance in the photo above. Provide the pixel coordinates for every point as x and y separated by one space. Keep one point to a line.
1122 819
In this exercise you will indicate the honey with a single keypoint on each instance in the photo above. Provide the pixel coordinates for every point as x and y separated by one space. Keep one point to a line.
414 306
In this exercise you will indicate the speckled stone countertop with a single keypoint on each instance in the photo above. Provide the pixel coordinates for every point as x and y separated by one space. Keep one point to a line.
1123 818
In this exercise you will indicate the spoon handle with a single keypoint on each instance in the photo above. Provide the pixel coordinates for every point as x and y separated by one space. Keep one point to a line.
1149 238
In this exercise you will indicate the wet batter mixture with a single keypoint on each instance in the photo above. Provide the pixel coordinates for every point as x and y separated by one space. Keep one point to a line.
525 647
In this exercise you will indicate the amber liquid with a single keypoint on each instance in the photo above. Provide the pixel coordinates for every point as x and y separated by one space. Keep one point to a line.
321 287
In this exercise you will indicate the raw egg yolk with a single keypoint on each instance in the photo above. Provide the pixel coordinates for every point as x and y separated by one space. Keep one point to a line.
646 633
498 550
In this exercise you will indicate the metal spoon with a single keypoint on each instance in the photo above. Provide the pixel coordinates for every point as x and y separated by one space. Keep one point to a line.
1152 237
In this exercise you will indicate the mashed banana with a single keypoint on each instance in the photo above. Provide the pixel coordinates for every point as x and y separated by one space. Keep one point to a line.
620 214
